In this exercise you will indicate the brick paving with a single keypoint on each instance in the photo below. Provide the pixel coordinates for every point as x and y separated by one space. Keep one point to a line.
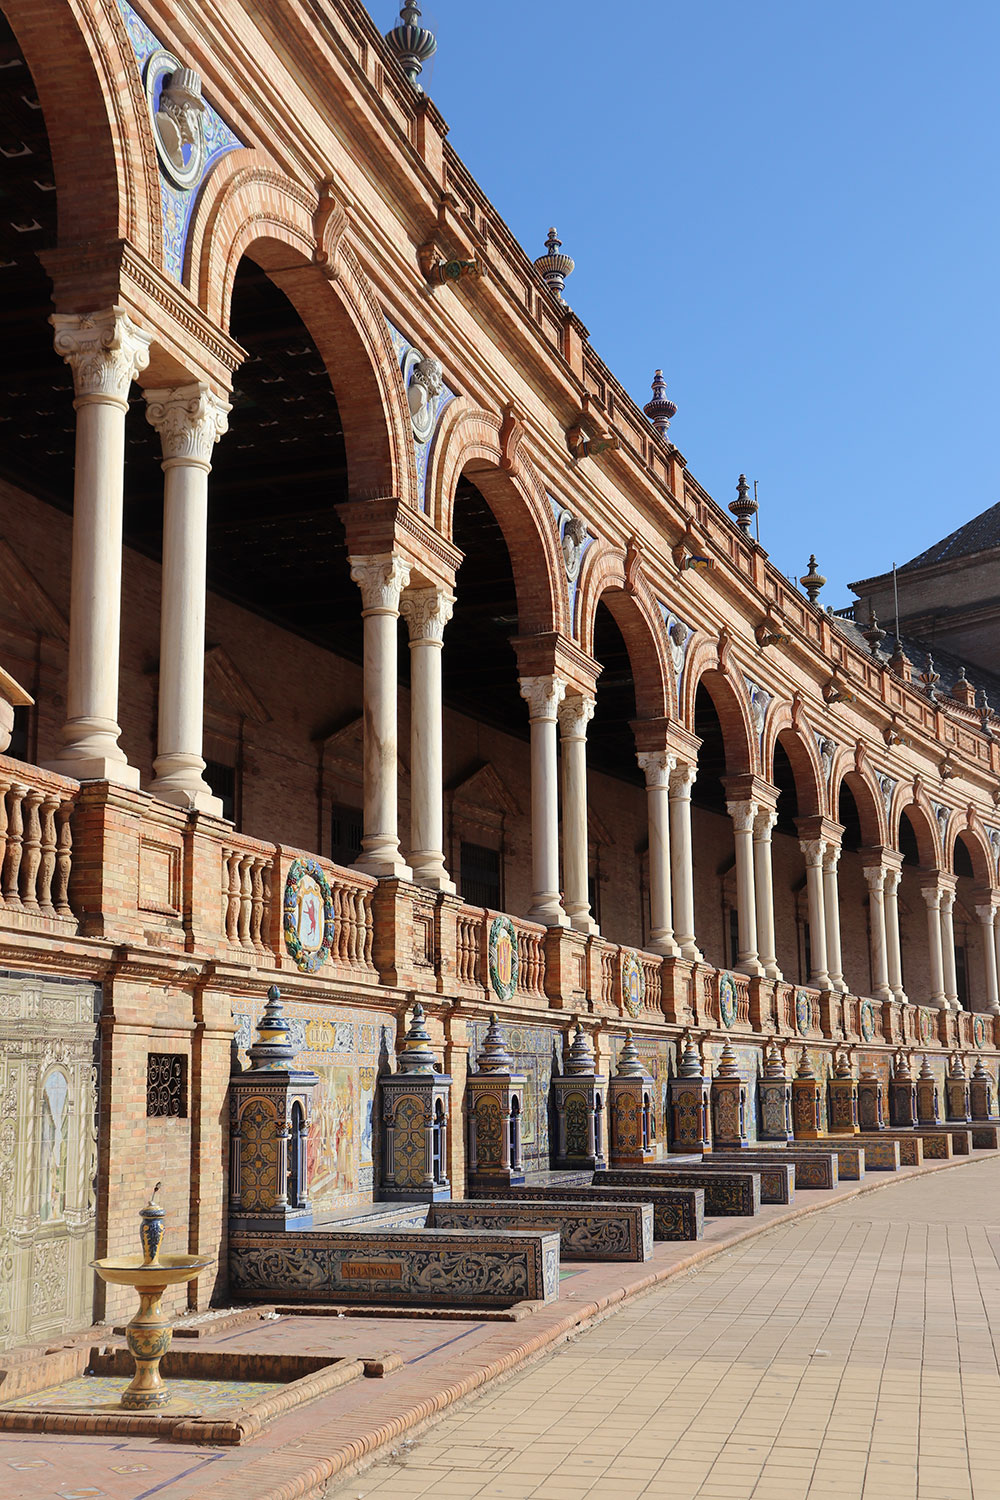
851 1354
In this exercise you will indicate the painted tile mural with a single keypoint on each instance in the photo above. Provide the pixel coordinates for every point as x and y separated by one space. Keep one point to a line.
659 1058
748 1061
346 1050
533 1049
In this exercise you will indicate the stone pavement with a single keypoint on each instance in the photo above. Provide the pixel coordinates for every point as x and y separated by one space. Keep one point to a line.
851 1354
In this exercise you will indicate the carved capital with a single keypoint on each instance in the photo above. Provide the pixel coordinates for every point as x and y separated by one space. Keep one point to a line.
947 902
575 713
814 850
427 612
381 577
763 825
682 779
543 696
986 915
932 897
743 815
875 876
656 766
892 882
105 350
190 420
831 859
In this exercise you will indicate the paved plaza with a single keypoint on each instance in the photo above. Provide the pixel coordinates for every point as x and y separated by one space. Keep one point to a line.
850 1354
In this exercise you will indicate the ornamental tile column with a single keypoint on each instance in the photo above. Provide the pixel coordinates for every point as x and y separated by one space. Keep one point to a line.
190 420
831 916
682 779
948 946
575 713
106 352
743 815
893 952
763 828
543 696
814 851
656 766
427 612
932 900
381 578
875 876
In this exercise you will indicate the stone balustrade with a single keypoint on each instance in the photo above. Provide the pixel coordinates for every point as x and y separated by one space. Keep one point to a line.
36 844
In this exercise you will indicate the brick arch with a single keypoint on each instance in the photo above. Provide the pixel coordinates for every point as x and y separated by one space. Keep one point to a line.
925 828
84 69
707 664
978 845
469 441
800 747
871 808
250 208
631 601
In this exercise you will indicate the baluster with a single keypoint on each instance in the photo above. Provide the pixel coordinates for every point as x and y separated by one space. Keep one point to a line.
339 946
366 908
266 937
358 911
31 853
48 861
246 899
257 901
232 896
224 892
12 856
64 860
4 789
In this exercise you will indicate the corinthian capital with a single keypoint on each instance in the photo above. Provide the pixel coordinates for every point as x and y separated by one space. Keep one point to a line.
763 825
575 713
427 612
190 420
875 876
543 696
743 815
105 351
656 766
814 850
382 577
682 779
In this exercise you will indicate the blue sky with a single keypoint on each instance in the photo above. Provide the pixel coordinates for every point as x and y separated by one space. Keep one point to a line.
792 208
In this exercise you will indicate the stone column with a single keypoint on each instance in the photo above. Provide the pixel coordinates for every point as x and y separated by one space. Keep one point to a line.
743 815
575 713
987 916
106 352
381 578
831 915
426 612
763 827
932 898
656 766
875 876
543 696
996 936
190 420
894 955
948 947
682 779
814 850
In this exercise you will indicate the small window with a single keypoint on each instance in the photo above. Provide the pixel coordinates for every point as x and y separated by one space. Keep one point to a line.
480 875
18 748
222 779
346 829
166 1086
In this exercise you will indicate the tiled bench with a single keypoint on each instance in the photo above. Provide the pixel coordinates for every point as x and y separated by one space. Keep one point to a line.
726 1193
483 1268
812 1169
909 1150
588 1230
777 1177
678 1213
983 1137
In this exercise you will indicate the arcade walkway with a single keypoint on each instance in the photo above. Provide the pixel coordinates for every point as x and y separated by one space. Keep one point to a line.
853 1354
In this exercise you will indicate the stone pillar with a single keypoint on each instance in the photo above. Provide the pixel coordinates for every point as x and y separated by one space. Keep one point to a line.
381 578
682 779
189 419
987 916
426 612
894 957
743 815
948 947
831 914
875 876
932 898
106 352
543 696
575 713
814 850
763 827
656 766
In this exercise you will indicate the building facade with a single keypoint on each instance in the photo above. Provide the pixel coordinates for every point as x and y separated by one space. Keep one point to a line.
360 634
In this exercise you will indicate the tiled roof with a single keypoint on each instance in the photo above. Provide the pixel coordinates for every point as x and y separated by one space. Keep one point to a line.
977 535
945 663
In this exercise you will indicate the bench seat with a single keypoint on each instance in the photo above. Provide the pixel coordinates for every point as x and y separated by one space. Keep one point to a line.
588 1229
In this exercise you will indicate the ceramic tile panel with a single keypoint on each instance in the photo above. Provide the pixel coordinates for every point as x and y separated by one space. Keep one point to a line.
587 1230
537 1053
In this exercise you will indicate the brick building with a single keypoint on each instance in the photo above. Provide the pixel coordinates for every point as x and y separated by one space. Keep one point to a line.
349 608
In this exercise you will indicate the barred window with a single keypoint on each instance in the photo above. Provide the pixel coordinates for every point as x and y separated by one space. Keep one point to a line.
166 1085
480 876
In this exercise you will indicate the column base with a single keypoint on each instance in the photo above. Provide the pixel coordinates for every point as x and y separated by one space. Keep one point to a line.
582 921
178 779
691 951
547 912
663 942
96 768
381 857
194 799
751 966
91 752
431 874
771 971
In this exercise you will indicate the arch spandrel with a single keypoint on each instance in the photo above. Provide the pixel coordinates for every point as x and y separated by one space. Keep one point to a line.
300 240
707 665
634 607
470 441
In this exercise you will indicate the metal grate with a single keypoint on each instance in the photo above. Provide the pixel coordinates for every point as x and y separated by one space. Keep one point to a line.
480 876
166 1085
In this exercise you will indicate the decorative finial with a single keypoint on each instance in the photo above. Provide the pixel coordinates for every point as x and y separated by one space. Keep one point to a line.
580 1057
901 1068
553 268
494 1058
416 1054
957 1069
842 1068
925 1068
660 409
774 1067
873 633
812 581
929 677
899 659
743 507
805 1067
727 1067
411 44
690 1064
979 1072
151 1229
273 1048
629 1061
